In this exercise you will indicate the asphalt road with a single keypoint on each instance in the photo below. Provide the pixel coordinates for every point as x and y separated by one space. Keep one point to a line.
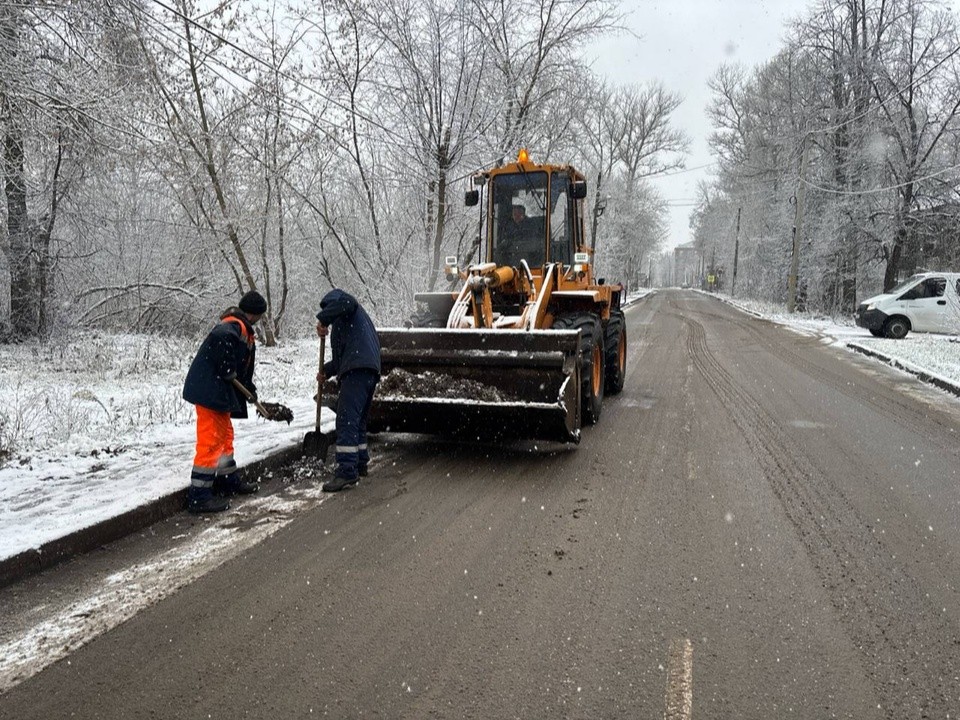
760 526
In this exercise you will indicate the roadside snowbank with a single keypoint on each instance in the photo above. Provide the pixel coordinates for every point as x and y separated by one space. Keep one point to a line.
96 427
936 355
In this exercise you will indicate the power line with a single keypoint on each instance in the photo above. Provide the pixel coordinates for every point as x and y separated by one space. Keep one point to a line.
681 172
264 63
883 189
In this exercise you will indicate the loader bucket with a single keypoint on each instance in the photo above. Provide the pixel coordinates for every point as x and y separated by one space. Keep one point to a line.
479 384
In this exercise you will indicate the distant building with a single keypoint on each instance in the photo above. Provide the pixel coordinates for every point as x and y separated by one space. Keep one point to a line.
686 265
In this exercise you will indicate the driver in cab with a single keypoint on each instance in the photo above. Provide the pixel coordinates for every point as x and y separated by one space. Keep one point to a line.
514 238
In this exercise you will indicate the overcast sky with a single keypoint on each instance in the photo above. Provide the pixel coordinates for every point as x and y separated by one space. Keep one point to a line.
682 43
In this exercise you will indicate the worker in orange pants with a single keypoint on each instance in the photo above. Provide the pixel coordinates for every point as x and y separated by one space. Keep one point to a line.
228 353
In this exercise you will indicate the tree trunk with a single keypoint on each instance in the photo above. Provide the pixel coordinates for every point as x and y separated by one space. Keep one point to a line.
443 167
902 238
893 260
24 288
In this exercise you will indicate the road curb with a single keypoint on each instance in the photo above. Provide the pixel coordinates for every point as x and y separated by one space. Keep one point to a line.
54 552
923 375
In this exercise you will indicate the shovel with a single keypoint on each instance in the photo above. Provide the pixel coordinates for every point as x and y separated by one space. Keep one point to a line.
314 442
249 396
268 411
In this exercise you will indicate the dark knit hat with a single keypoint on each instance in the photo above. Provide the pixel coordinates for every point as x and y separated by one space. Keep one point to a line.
253 303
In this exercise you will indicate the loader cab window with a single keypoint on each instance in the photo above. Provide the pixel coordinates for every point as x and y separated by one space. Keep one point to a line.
519 218
560 220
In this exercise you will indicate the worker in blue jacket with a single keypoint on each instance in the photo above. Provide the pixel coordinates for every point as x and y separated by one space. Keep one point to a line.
356 364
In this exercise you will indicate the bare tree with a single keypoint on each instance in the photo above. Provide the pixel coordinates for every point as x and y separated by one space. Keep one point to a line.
56 66
195 110
534 48
438 59
916 88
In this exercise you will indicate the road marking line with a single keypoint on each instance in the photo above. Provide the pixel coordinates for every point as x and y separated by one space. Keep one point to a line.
679 699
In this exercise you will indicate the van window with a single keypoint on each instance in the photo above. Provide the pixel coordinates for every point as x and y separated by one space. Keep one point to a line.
929 288
904 285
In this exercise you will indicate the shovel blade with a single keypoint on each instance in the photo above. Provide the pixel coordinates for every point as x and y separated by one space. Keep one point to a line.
316 444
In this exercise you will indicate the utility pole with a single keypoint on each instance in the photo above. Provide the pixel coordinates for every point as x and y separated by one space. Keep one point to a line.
736 256
797 228
712 278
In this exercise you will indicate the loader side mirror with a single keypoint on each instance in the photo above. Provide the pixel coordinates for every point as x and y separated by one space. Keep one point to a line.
471 198
578 190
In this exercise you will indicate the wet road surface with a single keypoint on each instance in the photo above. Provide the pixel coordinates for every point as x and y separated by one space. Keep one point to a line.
759 526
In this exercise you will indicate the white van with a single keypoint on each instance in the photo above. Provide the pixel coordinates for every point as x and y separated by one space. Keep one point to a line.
929 302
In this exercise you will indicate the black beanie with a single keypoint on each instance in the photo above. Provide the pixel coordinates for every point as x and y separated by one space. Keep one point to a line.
253 303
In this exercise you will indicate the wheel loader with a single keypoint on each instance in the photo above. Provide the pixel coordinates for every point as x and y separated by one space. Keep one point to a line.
528 341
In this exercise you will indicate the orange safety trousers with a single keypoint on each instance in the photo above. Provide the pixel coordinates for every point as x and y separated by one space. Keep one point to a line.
214 454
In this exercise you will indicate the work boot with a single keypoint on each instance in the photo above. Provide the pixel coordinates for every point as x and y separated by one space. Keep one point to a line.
338 484
202 500
233 484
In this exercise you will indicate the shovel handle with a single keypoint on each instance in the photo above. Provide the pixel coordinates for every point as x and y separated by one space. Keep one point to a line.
249 396
323 350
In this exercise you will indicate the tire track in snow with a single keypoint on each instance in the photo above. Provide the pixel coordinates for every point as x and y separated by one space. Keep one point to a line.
888 615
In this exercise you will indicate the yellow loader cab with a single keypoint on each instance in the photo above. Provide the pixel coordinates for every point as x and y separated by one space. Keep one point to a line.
528 342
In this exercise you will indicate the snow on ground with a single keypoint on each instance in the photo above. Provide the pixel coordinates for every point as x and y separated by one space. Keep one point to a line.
95 426
937 355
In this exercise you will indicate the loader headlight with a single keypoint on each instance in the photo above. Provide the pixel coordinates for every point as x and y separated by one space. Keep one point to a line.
870 307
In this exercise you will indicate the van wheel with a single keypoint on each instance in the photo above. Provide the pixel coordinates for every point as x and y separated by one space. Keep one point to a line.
592 369
896 328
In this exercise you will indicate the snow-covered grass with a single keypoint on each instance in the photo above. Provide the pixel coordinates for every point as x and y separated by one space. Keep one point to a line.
92 392
95 426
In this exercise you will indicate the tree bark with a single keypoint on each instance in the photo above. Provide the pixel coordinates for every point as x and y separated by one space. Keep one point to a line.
24 286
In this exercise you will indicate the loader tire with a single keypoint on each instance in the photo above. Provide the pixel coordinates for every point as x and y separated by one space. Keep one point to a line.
426 319
592 369
615 343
